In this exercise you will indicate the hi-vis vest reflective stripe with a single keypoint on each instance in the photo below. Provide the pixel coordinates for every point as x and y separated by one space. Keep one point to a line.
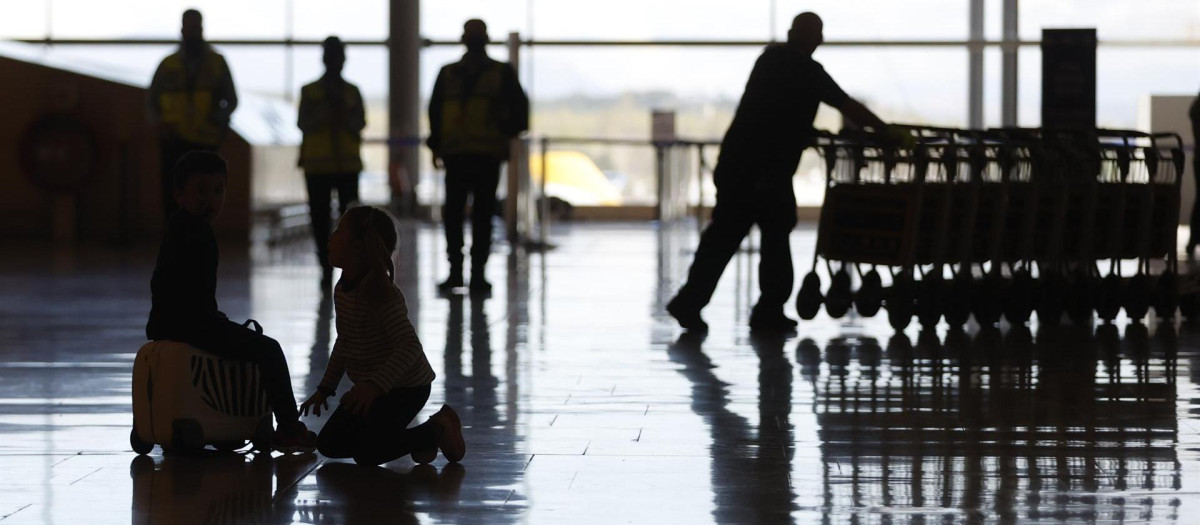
329 150
190 111
472 114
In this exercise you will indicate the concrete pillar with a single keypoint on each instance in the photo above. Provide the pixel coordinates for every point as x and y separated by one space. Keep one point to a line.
404 103
1008 64
975 66
515 194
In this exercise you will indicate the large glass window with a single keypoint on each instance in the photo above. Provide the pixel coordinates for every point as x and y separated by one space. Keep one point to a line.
1114 19
609 91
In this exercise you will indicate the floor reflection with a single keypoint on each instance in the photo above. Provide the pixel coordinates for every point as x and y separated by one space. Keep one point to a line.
581 405
352 494
214 488
1068 425
748 464
492 413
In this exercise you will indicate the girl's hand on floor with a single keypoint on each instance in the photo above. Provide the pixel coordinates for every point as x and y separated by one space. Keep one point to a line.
358 400
317 402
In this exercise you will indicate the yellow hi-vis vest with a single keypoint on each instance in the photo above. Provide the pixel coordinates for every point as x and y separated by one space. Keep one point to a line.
472 115
330 150
190 111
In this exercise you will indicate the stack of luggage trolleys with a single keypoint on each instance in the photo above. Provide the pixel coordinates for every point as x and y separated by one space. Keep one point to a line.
946 223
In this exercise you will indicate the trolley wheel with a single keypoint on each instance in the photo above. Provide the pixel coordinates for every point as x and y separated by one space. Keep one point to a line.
808 301
989 341
900 301
1108 303
958 300
1051 302
1166 295
1138 295
136 443
1108 341
141 465
988 302
839 298
1137 341
1111 295
869 298
1018 300
929 300
957 343
1081 300
1189 306
1018 342
899 348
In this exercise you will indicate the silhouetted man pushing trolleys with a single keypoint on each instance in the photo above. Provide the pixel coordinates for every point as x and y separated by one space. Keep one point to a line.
760 152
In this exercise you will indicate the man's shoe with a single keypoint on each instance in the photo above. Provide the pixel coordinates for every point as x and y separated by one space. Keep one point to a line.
776 322
296 438
688 318
480 286
451 283
450 440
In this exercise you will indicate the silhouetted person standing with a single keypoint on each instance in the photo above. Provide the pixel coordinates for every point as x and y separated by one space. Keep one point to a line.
760 152
191 99
476 107
1194 236
332 119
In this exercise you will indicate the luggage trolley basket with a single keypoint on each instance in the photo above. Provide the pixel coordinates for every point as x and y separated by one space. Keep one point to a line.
869 221
1140 180
1023 224
1000 223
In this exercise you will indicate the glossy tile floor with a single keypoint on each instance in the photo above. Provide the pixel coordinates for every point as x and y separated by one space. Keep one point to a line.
583 405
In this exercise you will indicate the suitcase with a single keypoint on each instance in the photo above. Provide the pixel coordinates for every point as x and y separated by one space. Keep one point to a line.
185 398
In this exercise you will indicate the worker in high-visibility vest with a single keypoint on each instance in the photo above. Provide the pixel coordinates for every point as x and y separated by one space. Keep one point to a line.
191 99
332 119
476 108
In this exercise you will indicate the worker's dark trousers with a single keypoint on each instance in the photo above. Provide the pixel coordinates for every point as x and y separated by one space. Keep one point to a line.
771 204
320 199
479 177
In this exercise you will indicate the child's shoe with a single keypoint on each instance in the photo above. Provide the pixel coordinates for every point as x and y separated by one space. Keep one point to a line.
297 438
451 438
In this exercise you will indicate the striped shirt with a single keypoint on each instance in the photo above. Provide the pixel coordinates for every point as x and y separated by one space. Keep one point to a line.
375 343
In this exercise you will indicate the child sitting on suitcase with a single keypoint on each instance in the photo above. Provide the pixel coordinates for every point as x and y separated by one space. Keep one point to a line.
378 348
184 287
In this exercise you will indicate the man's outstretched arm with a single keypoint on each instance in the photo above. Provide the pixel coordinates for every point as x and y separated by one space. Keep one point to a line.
855 111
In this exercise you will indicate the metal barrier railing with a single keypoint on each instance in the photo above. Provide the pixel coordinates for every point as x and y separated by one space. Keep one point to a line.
678 164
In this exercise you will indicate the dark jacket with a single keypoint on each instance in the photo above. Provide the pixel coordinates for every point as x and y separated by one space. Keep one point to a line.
476 107
773 122
184 286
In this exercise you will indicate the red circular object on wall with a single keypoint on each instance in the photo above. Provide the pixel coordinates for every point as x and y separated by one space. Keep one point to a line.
58 153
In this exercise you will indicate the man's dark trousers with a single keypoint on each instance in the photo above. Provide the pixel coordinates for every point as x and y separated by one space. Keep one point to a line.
320 197
479 177
770 203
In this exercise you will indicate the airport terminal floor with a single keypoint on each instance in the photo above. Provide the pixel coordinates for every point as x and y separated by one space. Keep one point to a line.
582 404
